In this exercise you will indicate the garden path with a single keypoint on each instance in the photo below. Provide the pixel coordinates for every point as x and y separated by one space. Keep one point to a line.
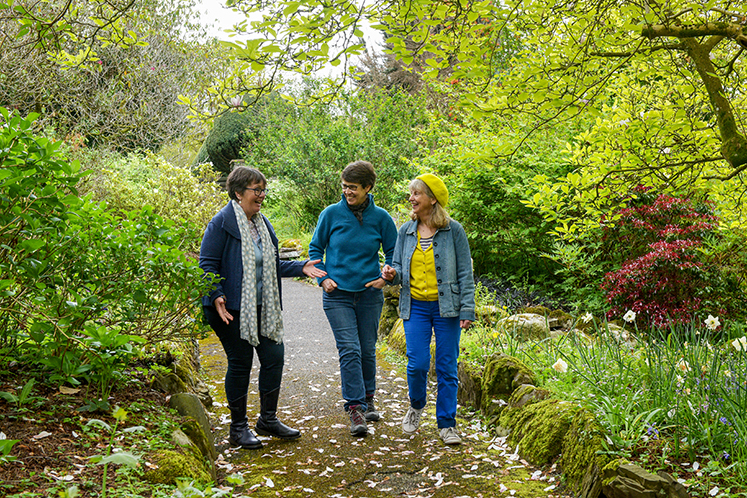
328 462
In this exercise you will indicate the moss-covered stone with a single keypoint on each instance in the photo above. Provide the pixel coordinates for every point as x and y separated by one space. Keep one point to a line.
390 310
204 443
580 446
526 394
502 374
470 384
171 465
538 429
396 338
536 310
525 326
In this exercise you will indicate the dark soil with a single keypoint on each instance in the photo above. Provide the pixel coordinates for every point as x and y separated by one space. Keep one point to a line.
55 439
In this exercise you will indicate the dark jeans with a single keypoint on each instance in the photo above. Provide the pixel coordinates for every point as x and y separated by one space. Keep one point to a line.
240 355
354 319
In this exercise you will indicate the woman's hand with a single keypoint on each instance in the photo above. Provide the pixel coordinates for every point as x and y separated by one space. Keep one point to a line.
388 273
379 283
310 269
465 324
329 285
220 306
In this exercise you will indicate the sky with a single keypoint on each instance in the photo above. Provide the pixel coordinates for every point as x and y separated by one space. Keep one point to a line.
215 13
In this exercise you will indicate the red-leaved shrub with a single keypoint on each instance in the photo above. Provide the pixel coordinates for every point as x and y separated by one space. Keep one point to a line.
656 241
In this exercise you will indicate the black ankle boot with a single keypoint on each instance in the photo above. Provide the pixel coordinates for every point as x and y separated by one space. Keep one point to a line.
239 433
268 423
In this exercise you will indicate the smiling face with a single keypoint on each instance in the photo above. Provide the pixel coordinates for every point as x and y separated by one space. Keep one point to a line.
250 202
422 205
355 193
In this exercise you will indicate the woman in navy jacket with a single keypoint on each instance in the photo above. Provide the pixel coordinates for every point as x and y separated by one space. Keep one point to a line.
240 251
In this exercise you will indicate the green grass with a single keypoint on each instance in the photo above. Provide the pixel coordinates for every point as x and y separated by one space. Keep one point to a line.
673 400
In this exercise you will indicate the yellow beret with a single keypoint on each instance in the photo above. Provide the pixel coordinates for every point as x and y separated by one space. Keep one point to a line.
437 186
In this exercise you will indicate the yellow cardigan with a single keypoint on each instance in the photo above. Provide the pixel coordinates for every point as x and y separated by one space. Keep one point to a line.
423 285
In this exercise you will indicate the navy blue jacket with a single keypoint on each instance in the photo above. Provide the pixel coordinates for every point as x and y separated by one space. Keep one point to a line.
220 253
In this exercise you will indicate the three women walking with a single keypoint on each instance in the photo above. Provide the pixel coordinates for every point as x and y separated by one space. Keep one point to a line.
430 257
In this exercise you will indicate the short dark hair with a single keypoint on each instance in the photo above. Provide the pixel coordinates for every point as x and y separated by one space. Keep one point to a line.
361 172
242 177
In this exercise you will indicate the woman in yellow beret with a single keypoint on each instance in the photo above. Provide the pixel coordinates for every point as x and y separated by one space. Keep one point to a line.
432 261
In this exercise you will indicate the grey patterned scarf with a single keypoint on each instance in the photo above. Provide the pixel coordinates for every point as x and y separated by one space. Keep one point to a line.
272 317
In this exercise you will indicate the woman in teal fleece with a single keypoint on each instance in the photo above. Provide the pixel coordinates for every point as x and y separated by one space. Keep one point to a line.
348 237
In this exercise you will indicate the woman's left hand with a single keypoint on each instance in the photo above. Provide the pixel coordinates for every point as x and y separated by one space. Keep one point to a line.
379 283
465 324
310 270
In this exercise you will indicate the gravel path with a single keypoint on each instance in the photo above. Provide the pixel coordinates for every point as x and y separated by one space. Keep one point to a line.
328 462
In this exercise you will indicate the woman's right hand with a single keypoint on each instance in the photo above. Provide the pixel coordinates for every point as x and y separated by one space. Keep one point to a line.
329 285
388 273
220 306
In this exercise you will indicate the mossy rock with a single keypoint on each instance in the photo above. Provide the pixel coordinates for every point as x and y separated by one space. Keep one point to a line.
169 382
501 376
470 384
292 244
526 394
390 311
583 440
396 338
536 310
171 465
525 326
204 443
560 319
538 429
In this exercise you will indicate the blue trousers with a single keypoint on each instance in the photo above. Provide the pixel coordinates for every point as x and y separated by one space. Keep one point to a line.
425 320
354 319
240 354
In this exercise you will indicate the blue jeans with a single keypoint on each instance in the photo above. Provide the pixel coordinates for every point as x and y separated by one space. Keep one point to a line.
424 320
354 319
240 354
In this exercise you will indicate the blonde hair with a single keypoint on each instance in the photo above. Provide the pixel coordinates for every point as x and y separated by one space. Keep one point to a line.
439 216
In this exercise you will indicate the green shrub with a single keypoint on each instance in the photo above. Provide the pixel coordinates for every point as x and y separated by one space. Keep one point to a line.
76 277
190 197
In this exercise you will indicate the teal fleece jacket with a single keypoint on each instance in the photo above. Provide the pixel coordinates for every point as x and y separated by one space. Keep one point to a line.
348 248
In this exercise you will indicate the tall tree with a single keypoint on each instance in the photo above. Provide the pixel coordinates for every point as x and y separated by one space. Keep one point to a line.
572 51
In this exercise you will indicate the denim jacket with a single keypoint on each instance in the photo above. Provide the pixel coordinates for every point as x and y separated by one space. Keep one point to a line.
456 285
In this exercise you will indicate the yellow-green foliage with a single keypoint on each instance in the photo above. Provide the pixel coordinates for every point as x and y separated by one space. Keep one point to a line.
580 446
171 465
177 193
539 428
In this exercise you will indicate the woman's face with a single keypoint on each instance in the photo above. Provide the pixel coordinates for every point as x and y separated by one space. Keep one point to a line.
354 193
250 202
422 205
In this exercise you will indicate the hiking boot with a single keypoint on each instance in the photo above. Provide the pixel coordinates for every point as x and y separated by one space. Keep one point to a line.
449 435
371 414
358 425
411 421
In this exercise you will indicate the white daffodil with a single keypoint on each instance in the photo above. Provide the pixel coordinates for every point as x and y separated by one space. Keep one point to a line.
740 344
560 366
629 316
683 366
587 318
712 322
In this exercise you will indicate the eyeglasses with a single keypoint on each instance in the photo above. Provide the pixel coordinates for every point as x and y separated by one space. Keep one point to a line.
257 191
351 188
